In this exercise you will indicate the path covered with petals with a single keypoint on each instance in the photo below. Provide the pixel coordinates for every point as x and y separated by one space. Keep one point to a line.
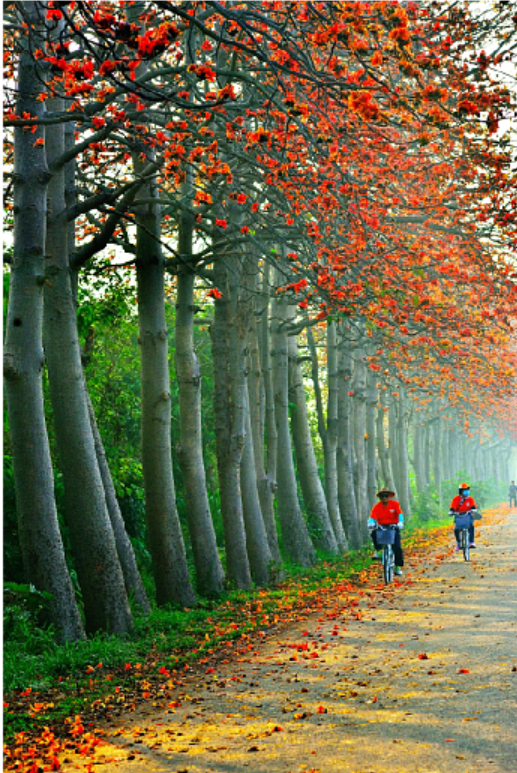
418 677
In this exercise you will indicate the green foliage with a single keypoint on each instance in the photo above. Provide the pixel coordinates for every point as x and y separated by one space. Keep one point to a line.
432 503
426 504
24 606
26 638
13 566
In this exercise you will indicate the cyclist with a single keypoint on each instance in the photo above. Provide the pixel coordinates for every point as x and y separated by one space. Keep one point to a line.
512 494
463 503
385 513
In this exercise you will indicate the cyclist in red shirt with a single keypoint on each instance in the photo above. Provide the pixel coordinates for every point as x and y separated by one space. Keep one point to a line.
387 512
463 503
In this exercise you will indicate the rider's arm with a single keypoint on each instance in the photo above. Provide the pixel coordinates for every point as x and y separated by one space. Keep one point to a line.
372 520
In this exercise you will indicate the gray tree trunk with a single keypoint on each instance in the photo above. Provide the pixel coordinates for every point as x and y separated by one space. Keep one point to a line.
384 459
446 452
132 579
393 452
358 406
426 461
346 487
329 430
436 457
165 537
468 464
41 544
372 398
100 576
462 450
229 385
259 554
312 489
418 452
164 533
266 471
437 450
209 570
403 451
296 540
453 452
126 555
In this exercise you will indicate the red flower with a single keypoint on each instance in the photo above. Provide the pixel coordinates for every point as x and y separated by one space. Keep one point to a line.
214 293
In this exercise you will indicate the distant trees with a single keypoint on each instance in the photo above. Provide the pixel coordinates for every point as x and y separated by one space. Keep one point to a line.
324 184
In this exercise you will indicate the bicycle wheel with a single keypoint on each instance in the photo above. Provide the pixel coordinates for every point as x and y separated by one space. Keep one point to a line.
465 544
388 563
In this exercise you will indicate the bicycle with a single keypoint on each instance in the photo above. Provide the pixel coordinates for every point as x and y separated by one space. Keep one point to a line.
462 522
386 540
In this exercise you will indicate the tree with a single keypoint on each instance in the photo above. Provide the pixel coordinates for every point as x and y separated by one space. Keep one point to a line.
42 546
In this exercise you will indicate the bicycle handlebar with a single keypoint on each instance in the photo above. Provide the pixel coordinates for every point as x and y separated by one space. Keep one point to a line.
387 526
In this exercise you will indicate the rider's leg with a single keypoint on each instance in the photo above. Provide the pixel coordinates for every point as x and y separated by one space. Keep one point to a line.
397 549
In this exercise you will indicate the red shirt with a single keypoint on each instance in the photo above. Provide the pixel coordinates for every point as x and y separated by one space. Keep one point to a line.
462 504
386 513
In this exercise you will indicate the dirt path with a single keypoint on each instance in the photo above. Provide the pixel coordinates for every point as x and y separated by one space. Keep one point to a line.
422 677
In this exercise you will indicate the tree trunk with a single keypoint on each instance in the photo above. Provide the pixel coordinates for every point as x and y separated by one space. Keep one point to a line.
312 490
462 452
229 384
346 488
257 546
329 431
259 554
262 417
446 452
402 447
41 544
358 405
454 452
437 450
382 451
209 570
418 452
372 397
164 532
132 579
295 536
427 454
100 576
393 452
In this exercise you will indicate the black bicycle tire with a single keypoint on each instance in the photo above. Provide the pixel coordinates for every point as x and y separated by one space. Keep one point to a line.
387 564
465 544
